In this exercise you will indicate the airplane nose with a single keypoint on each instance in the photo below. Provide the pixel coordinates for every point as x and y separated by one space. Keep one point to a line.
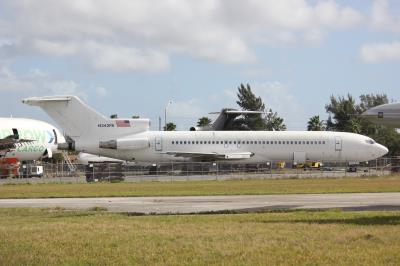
382 150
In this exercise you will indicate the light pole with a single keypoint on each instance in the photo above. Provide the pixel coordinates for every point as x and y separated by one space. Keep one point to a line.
165 114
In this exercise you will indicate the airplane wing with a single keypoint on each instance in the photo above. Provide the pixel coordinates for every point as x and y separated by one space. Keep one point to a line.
211 155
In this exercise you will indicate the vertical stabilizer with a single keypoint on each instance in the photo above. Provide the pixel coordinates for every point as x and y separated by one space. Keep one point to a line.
74 117
80 121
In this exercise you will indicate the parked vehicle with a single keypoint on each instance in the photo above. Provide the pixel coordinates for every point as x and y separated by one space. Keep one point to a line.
104 171
29 170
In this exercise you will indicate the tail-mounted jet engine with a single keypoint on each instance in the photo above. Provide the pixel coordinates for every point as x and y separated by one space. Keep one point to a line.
125 144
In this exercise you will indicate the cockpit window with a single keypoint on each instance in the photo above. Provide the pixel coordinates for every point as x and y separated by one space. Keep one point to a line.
370 141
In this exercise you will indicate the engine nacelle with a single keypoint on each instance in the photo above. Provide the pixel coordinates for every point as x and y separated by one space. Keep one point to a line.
66 146
125 144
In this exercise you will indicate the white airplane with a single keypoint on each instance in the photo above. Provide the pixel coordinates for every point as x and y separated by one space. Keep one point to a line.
385 114
130 139
28 139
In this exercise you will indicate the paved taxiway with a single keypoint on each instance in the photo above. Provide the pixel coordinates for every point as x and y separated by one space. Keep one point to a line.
198 204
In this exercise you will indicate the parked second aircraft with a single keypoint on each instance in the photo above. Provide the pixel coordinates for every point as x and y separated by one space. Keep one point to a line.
24 139
385 114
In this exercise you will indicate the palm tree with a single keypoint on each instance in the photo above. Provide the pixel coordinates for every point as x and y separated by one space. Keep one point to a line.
170 127
315 124
203 121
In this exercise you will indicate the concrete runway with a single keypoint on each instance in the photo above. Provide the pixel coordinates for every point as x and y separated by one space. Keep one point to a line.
199 204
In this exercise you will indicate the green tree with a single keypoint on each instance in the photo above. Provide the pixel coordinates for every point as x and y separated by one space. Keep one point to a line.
247 100
170 127
315 124
273 122
135 117
342 109
114 116
203 121
371 100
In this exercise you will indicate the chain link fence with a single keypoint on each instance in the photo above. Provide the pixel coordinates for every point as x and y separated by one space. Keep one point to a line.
118 172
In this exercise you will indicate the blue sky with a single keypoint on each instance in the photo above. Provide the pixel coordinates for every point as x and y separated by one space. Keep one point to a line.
132 57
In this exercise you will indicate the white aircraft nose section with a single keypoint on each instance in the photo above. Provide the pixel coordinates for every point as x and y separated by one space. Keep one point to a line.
382 150
379 150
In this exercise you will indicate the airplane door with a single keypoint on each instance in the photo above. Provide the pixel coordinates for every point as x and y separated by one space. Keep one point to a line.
15 133
338 143
226 144
158 144
238 144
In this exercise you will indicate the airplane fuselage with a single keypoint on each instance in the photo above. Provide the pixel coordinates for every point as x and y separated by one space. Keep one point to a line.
264 145
385 115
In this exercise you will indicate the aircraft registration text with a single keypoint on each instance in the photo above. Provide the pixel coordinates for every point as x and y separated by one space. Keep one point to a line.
106 125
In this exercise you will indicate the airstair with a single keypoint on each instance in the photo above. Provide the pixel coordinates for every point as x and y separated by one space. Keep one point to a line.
67 161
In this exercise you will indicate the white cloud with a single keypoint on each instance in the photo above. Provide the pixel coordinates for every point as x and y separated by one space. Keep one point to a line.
329 14
55 48
384 18
117 58
11 82
134 35
39 82
379 52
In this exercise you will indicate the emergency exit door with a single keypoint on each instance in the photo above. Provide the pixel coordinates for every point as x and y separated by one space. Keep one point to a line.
338 143
158 144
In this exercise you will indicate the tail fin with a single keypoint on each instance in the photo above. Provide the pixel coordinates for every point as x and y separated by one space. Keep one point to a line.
73 116
78 120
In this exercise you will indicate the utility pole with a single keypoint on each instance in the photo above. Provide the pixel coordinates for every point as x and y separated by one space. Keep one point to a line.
165 114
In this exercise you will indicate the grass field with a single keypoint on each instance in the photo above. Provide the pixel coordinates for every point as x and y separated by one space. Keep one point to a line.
192 188
59 237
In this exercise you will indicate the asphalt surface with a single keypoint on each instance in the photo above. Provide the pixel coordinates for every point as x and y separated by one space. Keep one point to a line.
204 204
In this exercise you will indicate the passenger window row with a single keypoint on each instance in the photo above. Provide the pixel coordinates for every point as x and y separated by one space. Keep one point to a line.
255 142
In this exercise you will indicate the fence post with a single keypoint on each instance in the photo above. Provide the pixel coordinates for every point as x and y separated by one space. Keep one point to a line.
270 168
172 170
216 176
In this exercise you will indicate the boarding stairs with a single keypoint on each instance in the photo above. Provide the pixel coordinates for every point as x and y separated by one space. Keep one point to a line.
67 161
